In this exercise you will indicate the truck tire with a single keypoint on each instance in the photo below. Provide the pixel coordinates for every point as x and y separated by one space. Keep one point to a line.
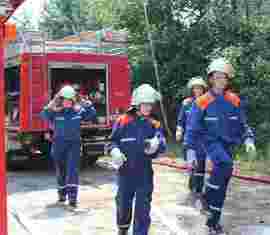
87 161
16 164
92 159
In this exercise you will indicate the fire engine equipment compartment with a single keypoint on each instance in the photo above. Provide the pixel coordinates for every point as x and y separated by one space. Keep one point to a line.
12 91
104 79
90 82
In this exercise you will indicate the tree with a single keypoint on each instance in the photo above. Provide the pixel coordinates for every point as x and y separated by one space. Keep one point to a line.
24 21
66 17
187 34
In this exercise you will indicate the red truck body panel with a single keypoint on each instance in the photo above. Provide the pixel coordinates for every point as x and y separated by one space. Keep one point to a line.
35 84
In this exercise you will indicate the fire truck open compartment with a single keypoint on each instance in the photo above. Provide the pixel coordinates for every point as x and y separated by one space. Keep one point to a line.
12 91
92 79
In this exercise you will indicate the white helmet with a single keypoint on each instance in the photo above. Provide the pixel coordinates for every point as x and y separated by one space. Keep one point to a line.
67 92
144 94
196 81
220 65
76 86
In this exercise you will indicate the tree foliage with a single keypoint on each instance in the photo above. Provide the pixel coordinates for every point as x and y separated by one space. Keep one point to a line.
187 34
67 17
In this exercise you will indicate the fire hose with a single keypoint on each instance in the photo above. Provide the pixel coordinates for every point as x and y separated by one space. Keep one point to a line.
173 164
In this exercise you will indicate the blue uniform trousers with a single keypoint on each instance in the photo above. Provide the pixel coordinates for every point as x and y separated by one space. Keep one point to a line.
198 175
196 181
216 186
66 155
129 188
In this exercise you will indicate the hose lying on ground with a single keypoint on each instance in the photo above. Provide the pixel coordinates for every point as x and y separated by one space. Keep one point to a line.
173 164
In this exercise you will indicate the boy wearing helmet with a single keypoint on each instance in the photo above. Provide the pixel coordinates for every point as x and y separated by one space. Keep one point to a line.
198 87
136 140
65 115
219 113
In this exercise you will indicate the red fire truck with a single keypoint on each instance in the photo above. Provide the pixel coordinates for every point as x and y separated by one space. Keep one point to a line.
35 71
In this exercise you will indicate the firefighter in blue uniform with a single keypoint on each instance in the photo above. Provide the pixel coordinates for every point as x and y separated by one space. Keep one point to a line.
197 87
65 115
219 113
136 140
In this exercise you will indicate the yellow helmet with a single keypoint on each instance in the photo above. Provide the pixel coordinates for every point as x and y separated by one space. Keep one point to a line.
221 65
196 81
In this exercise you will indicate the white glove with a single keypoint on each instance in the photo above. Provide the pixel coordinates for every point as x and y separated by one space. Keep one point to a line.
191 157
77 107
151 145
250 146
118 158
179 134
87 102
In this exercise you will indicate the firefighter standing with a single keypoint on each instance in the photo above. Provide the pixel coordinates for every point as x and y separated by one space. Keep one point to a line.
65 115
198 87
219 113
136 140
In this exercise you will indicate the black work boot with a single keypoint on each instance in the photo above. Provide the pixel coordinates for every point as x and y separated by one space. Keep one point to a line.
123 232
216 229
72 206
61 200
192 181
204 205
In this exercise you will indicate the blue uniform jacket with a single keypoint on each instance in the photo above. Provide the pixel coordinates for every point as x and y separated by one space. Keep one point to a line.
129 135
66 123
220 117
184 113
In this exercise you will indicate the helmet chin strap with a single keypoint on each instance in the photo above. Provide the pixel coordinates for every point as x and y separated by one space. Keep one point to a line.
141 114
218 91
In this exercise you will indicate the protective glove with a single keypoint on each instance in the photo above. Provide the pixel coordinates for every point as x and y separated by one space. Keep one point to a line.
86 102
54 103
151 145
179 134
77 107
118 158
250 146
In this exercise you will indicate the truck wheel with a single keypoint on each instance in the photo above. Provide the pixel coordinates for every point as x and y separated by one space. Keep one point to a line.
87 161
16 159
92 160
83 163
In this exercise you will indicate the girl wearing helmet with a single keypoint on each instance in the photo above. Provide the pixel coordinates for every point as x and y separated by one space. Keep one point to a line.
136 140
197 87
65 115
219 114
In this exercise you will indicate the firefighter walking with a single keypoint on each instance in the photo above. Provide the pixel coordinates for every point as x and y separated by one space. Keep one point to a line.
65 115
136 140
219 113
197 87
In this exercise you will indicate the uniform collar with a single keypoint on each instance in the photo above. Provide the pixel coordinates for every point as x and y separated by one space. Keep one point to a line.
215 94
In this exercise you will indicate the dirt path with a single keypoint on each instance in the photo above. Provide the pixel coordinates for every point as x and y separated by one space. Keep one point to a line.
32 211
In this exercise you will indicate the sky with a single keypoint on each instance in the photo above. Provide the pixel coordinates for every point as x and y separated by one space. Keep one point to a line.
31 7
